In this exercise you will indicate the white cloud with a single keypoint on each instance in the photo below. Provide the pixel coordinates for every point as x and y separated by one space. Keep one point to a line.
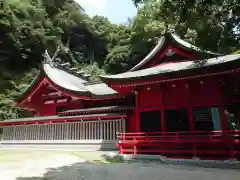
93 7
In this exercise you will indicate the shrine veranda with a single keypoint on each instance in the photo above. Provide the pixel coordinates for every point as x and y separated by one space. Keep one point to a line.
179 101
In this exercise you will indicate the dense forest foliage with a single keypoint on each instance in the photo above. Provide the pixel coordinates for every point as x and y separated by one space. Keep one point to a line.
29 27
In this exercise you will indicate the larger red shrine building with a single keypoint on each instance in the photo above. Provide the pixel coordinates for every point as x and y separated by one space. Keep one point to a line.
176 95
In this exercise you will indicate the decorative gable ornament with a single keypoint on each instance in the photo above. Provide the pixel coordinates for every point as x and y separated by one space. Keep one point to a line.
148 88
170 52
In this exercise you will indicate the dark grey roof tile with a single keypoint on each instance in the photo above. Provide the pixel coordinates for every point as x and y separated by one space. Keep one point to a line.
64 79
100 89
173 67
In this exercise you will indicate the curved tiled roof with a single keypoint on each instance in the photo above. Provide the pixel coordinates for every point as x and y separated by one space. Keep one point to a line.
171 67
185 44
64 79
70 82
67 81
171 37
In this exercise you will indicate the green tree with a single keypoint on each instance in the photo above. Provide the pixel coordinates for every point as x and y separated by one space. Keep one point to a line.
216 21
28 27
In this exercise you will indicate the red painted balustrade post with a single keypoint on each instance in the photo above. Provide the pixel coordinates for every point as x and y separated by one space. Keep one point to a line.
122 139
121 148
192 133
135 145
232 143
118 143
227 138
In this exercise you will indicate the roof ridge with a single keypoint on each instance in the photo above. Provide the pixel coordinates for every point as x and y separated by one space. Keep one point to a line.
93 82
179 40
162 40
157 47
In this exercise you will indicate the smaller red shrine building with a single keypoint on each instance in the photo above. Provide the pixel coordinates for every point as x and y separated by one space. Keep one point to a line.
179 101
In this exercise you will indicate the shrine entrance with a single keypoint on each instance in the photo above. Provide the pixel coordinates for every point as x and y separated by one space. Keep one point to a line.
207 119
176 120
150 121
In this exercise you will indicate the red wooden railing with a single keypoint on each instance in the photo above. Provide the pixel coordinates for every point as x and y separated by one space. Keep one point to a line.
201 144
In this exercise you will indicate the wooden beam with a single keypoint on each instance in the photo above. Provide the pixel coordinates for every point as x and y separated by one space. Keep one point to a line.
53 95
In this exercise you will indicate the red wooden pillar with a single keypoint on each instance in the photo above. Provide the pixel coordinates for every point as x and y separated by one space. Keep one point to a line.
36 113
223 118
190 115
189 107
191 119
163 124
137 121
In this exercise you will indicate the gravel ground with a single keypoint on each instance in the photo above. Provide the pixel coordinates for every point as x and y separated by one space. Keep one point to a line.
135 171
14 164
64 166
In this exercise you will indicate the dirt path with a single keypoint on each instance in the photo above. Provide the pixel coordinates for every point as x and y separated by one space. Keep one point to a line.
33 163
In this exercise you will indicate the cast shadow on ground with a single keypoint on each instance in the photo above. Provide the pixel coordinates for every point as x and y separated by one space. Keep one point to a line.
75 171
134 171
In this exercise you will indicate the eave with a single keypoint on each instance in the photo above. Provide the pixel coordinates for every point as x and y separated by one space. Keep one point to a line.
33 86
134 84
172 70
61 119
107 109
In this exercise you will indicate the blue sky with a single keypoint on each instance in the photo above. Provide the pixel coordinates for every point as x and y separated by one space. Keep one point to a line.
117 11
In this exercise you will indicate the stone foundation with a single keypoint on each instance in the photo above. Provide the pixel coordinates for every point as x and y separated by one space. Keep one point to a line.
76 145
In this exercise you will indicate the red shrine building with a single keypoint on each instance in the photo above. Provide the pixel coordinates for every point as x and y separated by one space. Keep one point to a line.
179 101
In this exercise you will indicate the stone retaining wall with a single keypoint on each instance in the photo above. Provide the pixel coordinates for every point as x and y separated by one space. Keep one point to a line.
76 145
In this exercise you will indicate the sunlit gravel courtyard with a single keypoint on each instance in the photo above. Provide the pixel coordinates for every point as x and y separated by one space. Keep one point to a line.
56 165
